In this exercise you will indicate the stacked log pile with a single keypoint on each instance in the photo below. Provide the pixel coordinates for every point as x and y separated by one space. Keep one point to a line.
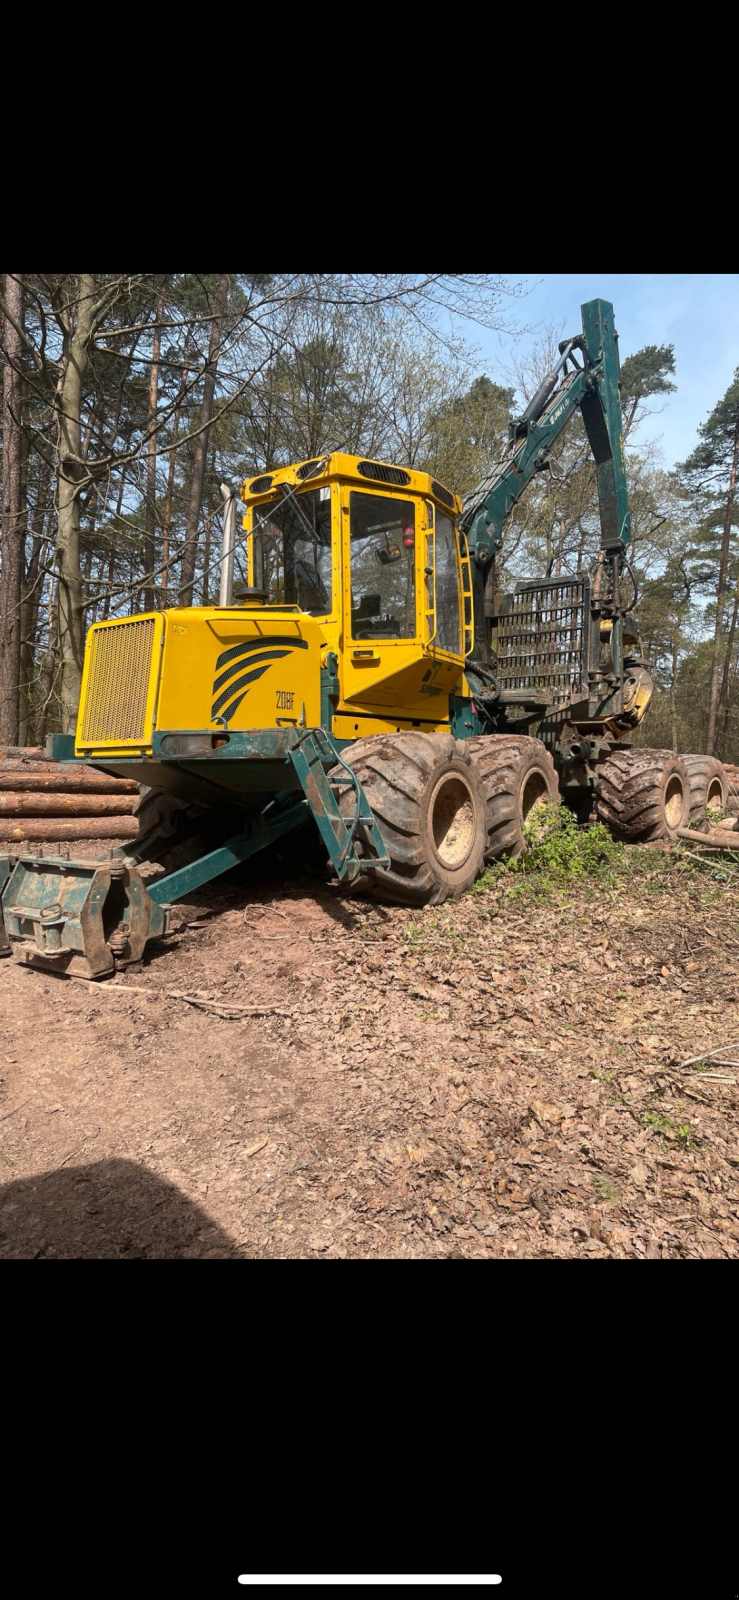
55 800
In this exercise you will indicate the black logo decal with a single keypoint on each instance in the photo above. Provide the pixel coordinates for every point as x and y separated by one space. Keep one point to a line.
231 684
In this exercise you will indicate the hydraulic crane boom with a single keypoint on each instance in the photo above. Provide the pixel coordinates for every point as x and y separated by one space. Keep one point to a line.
598 686
594 389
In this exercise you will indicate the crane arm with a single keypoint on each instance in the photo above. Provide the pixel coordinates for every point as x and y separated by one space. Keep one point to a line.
607 688
593 389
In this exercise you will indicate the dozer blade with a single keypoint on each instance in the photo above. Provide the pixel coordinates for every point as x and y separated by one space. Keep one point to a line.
77 917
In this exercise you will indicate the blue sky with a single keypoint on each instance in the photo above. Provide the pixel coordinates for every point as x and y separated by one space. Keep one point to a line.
697 312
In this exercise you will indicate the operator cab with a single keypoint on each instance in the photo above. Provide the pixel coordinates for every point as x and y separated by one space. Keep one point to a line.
373 554
363 542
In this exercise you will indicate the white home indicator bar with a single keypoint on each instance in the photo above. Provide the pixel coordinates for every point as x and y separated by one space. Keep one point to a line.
367 1577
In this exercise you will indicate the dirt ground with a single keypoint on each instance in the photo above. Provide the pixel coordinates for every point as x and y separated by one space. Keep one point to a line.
493 1078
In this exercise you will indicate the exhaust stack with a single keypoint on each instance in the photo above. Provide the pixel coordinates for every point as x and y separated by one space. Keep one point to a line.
226 595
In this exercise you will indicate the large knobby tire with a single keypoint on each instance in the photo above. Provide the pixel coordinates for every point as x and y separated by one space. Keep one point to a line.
709 785
643 794
518 776
429 805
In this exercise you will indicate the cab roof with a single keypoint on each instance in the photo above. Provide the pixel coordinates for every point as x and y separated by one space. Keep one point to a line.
357 469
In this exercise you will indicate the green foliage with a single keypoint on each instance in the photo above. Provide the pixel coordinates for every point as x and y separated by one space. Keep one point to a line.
712 456
668 1128
467 434
560 854
559 851
711 815
606 1188
658 1124
645 373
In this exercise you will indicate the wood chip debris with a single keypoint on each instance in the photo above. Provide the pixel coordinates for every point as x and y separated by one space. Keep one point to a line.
254 1148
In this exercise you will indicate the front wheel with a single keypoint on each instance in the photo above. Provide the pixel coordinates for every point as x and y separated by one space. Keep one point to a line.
429 805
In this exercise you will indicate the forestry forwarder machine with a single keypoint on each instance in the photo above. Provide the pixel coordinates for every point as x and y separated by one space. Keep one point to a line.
368 676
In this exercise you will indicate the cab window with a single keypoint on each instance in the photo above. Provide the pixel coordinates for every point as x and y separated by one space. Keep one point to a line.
447 586
383 567
292 550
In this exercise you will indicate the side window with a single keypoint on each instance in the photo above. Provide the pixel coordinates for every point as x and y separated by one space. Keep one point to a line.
383 567
447 586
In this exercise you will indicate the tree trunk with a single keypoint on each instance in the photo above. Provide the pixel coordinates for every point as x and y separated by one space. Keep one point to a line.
111 561
723 699
713 703
55 777
201 448
673 689
56 803
167 528
64 828
48 668
150 553
206 558
111 575
12 520
71 611
31 598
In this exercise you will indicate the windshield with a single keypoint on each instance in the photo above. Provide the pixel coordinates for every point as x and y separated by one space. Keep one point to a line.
292 550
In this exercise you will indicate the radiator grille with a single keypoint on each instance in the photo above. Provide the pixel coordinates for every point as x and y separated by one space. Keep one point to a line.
541 638
117 685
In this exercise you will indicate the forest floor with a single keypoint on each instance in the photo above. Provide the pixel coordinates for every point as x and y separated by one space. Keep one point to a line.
505 1076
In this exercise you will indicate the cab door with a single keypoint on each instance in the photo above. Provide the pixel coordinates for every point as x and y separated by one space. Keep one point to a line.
391 663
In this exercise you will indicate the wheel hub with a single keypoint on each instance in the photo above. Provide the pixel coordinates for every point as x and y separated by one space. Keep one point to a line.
452 821
534 794
674 801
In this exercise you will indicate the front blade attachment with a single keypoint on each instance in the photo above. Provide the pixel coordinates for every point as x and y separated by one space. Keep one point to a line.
78 917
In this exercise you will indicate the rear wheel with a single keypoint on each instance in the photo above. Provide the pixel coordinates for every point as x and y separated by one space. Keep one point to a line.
708 783
429 805
518 777
643 794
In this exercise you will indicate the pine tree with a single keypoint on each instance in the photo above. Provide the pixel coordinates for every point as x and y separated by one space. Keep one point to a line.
711 470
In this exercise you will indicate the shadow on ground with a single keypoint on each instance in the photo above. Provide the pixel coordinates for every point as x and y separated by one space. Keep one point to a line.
108 1210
